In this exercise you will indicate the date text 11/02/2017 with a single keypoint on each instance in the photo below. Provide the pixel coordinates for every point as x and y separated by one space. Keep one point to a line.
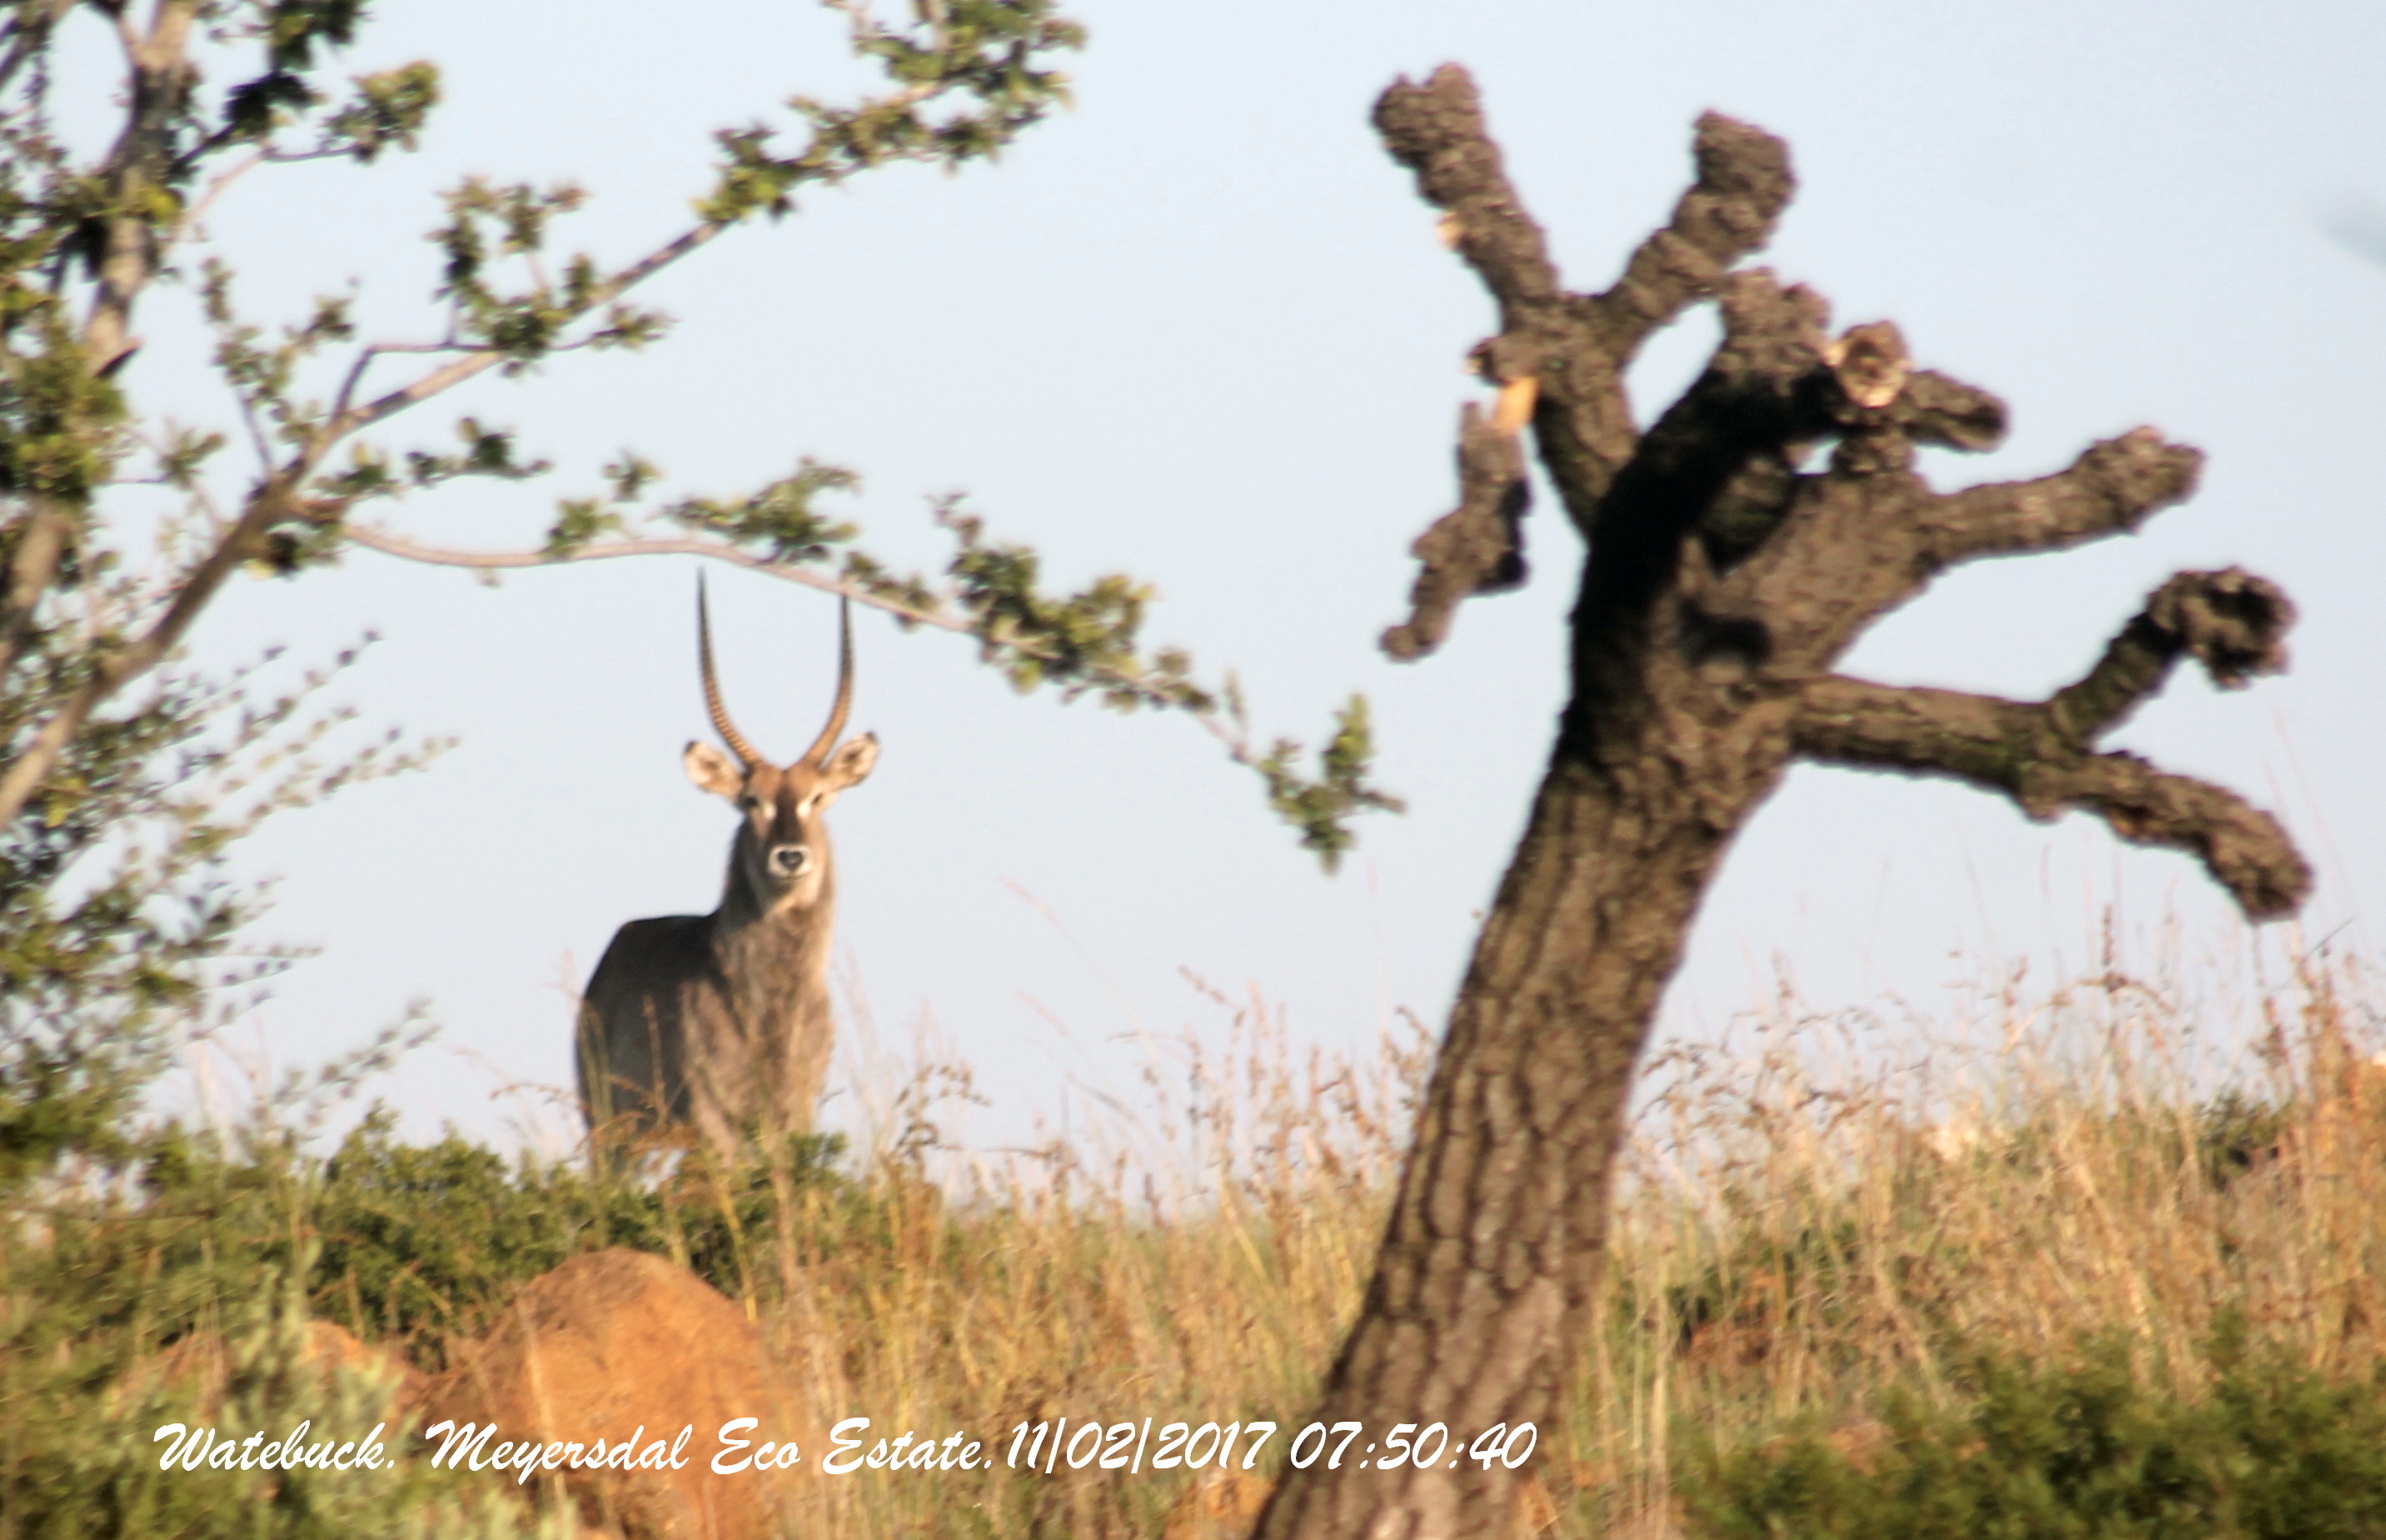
1126 1445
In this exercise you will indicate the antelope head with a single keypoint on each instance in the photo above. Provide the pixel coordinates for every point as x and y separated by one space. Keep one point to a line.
782 850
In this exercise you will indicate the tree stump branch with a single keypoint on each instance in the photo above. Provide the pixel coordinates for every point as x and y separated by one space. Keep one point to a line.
1476 547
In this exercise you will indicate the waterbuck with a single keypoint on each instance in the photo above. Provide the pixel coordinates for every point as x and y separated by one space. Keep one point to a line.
721 1021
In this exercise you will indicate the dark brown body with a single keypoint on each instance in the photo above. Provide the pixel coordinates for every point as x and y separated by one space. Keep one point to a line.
710 1022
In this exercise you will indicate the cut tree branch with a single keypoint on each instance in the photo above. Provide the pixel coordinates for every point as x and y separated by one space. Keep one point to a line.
1569 351
1724 578
1477 547
1743 184
2042 754
1437 130
2109 490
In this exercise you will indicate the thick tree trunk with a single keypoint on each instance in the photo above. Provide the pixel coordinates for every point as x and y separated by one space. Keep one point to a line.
1491 1260
1722 585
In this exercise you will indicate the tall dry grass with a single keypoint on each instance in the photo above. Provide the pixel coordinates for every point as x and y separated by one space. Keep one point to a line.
1818 1215
1194 1259
1825 1211
1811 1225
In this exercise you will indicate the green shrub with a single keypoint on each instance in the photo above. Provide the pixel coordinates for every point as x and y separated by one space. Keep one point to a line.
419 1241
403 1244
79 1460
2084 1451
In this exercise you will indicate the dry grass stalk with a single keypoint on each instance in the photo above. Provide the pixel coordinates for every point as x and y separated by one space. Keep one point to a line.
1800 1230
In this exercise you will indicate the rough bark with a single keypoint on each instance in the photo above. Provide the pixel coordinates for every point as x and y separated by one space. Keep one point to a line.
1476 547
1721 586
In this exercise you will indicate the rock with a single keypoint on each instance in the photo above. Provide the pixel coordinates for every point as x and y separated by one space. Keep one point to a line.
615 1342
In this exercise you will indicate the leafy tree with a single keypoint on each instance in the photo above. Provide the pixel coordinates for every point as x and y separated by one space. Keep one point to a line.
108 753
963 80
116 919
125 779
1722 582
76 1463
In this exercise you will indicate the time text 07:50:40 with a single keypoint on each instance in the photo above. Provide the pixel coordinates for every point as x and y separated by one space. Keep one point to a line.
1128 1446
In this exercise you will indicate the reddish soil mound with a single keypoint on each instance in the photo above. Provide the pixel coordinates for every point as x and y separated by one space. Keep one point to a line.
624 1349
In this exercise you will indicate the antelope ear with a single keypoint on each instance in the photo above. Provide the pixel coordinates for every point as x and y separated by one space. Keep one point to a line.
850 763
713 770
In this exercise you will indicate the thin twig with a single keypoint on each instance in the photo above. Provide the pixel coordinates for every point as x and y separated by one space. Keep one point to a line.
1237 744
257 438
447 376
206 200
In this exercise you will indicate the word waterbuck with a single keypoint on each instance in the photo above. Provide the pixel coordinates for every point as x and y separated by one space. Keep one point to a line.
721 1021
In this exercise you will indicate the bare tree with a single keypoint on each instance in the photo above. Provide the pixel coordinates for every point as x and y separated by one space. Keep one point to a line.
1722 585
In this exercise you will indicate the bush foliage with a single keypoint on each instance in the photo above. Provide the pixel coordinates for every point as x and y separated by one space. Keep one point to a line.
2086 1449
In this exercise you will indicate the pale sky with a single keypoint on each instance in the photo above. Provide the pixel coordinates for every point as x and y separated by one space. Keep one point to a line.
1199 330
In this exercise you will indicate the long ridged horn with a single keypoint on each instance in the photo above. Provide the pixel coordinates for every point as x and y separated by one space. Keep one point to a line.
817 755
746 752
